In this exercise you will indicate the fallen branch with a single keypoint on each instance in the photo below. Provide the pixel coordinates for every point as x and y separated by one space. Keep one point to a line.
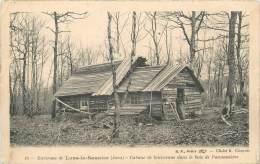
241 110
229 133
224 119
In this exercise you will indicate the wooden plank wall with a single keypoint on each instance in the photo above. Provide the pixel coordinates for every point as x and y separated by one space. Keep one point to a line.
192 95
96 103
101 103
144 99
71 101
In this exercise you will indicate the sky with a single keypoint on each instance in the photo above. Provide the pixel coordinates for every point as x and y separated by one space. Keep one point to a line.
91 32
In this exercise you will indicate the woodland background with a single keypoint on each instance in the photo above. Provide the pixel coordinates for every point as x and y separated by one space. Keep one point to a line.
44 52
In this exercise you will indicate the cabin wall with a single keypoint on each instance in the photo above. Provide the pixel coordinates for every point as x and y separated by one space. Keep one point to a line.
73 101
95 103
142 98
101 103
98 103
192 94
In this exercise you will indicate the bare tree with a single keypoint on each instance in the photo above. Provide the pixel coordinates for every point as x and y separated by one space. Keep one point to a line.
219 65
118 31
168 43
20 46
155 34
133 36
229 101
58 19
28 55
115 133
241 82
187 22
70 49
209 65
132 55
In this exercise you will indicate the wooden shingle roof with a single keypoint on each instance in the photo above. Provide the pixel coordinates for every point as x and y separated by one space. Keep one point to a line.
164 76
140 78
167 74
97 79
121 72
86 80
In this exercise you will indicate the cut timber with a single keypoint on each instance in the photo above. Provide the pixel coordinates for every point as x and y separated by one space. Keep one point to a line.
170 112
173 106
224 119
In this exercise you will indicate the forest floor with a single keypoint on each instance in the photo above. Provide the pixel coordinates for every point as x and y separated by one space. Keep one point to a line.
210 130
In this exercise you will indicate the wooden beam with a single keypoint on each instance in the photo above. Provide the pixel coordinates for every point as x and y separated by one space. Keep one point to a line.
174 110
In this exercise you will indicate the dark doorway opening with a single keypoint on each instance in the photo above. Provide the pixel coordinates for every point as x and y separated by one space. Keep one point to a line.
180 103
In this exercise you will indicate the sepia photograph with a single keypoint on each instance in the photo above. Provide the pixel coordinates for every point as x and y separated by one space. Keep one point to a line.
129 78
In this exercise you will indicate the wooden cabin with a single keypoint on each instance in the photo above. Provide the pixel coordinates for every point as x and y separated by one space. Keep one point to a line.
165 91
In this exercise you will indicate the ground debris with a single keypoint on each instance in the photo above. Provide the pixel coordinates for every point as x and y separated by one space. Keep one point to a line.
42 130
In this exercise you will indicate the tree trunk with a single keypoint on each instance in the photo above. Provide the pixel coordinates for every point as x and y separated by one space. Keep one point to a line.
218 80
214 83
55 50
239 66
222 80
70 58
23 85
11 105
117 34
25 68
192 39
209 82
115 133
133 35
133 39
229 100
155 39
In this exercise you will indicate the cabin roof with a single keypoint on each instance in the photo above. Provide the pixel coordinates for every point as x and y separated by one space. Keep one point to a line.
86 80
140 78
97 79
121 73
166 74
97 68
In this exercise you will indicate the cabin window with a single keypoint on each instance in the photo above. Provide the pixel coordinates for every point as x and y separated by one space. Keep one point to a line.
84 103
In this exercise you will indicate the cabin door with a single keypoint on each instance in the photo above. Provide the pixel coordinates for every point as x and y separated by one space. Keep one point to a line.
180 102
